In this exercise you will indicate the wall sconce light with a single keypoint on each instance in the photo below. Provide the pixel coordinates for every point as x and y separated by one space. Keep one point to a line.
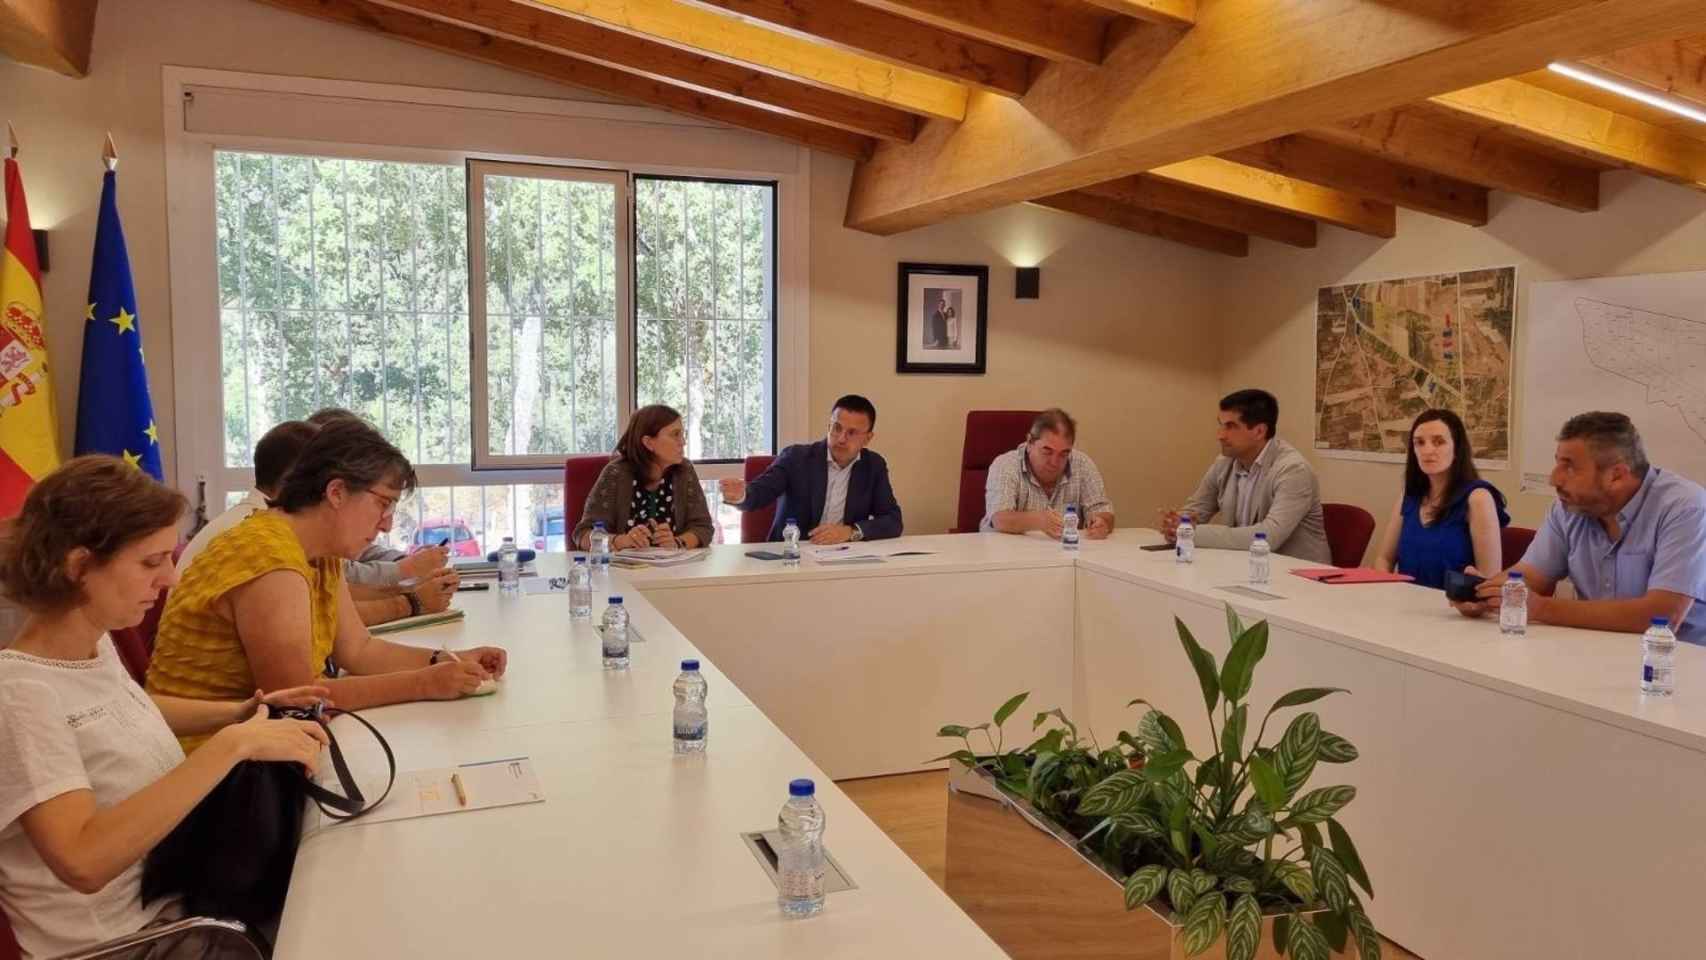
41 248
1027 283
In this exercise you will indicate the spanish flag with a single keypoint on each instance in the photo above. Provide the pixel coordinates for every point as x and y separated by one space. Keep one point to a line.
28 449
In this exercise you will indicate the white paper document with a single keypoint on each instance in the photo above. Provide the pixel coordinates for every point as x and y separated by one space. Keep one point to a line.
471 786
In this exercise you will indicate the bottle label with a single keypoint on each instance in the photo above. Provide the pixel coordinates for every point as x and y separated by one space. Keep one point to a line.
1647 673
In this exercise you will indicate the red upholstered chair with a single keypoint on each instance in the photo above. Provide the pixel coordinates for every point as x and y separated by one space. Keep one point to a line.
989 434
135 645
1349 528
755 524
8 940
580 472
1513 543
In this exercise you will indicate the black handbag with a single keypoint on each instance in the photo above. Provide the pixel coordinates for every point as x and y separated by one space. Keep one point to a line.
231 857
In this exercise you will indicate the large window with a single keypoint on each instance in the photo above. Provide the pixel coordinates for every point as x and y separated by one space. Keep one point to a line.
351 282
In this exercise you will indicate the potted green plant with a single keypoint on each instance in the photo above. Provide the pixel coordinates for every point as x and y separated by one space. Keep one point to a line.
1229 848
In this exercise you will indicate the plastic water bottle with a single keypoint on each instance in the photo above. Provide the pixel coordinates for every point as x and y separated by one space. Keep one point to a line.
800 861
1658 659
1185 541
1069 530
691 722
1513 605
1261 566
580 590
600 551
791 544
615 632
509 569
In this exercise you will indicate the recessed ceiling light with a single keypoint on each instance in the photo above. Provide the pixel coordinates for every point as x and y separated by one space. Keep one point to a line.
1651 98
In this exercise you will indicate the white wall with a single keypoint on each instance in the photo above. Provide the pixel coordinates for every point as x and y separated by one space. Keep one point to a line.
1643 226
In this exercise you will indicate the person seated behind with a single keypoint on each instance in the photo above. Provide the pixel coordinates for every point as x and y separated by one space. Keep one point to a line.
1629 536
94 777
266 603
834 488
649 495
1448 518
1030 487
1259 484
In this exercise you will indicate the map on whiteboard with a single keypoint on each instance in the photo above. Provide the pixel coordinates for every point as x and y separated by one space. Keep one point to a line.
1389 349
1630 344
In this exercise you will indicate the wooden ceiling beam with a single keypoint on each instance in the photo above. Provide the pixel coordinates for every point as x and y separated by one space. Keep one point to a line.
1247 72
896 39
1341 168
732 39
631 54
1168 13
474 45
1163 196
1058 30
1438 144
1285 194
55 34
1148 222
1584 129
1674 67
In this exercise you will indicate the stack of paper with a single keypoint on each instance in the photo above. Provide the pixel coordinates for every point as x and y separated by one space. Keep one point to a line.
416 622
658 556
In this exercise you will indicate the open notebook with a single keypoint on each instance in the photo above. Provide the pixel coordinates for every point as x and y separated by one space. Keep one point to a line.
1350 575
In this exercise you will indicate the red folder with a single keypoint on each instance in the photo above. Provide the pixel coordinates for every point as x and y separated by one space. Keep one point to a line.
1352 575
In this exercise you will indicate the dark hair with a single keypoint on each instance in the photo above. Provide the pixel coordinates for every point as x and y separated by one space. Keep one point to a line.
1053 420
347 450
1611 437
853 403
1462 472
646 422
278 450
325 415
1253 407
97 502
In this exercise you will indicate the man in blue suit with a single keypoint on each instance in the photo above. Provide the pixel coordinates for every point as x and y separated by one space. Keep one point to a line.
835 489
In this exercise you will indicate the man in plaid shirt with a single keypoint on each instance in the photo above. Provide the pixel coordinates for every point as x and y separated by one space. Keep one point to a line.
1030 487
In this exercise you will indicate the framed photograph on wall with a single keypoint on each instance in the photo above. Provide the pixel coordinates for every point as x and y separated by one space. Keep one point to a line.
943 318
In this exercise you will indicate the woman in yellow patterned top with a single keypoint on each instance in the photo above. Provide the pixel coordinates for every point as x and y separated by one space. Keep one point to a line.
266 604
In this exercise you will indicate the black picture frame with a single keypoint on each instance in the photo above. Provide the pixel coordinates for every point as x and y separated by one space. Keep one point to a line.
923 327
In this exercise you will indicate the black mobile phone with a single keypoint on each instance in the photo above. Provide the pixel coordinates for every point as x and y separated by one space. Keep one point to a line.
1461 586
480 585
764 555
1156 546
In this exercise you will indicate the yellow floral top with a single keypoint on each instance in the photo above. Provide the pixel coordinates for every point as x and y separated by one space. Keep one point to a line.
197 653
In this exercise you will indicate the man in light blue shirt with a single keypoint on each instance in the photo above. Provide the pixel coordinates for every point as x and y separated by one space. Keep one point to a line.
1631 537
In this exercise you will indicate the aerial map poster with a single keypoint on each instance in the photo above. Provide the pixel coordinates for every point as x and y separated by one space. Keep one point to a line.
1388 349
1632 344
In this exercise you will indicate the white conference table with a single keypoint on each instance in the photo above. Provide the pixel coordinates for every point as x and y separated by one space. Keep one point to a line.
1517 796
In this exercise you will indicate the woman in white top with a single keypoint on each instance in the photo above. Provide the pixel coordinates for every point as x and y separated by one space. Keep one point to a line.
94 776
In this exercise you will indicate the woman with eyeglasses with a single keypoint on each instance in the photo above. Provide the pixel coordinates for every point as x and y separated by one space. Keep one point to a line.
648 495
93 777
266 604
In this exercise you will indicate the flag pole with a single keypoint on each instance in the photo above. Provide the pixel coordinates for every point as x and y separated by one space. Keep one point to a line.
12 137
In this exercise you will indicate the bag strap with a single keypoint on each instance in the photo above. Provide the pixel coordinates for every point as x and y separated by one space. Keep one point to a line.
352 803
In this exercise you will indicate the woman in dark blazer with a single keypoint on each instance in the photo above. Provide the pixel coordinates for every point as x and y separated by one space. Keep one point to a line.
649 496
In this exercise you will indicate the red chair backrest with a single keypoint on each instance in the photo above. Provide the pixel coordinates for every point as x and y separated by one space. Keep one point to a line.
9 949
1349 528
755 524
580 472
1513 543
135 645
989 434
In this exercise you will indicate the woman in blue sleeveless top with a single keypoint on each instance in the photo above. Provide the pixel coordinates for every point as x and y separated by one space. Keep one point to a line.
1448 517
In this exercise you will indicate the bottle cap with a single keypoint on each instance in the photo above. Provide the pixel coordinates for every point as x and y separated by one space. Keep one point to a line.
1184 518
1516 575
801 788
598 524
1071 509
1261 536
509 539
690 665
579 560
790 519
1661 622
616 601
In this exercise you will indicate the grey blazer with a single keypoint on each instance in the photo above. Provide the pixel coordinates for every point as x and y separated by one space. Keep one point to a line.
612 498
1287 501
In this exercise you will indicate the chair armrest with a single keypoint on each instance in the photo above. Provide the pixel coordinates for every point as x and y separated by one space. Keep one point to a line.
121 946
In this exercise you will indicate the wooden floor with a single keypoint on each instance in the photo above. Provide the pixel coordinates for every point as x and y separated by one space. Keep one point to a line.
912 808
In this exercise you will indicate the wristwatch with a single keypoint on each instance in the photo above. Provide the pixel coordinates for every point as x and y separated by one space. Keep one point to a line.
858 534
414 604
437 655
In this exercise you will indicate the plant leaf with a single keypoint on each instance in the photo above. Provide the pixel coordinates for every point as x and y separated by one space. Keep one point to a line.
1007 708
1347 854
1299 697
1333 927
1311 835
1139 822
1368 941
1317 805
1144 884
1058 714
1249 827
964 756
1240 669
1154 731
1282 927
1336 749
1117 794
1234 626
1048 742
1243 928
1298 881
1330 879
953 730
1294 759
1166 765
1181 891
1304 941
1270 789
1239 885
1203 924
1203 662
1232 735
1043 768
1208 772
1203 881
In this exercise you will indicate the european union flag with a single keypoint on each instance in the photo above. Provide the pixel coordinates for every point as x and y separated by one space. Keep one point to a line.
114 413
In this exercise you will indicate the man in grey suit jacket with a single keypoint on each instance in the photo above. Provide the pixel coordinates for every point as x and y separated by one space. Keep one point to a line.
1259 484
